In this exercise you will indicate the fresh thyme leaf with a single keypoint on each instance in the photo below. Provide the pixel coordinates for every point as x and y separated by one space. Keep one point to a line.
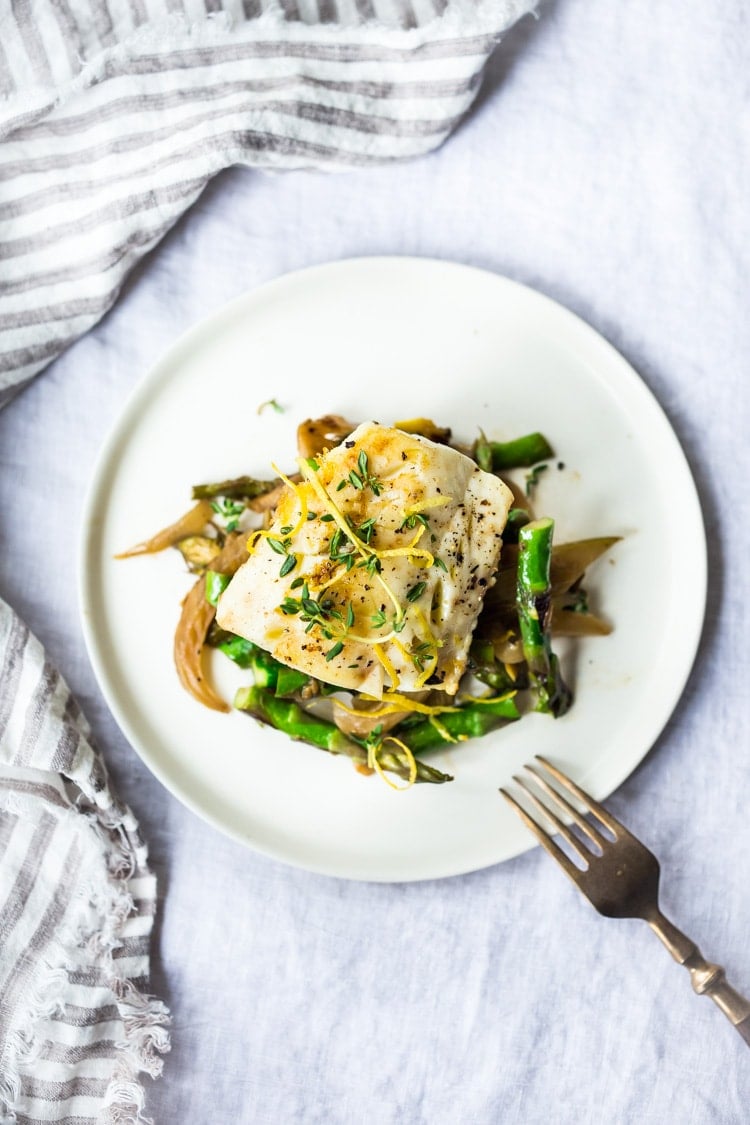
312 515
483 452
398 624
440 564
288 565
362 464
532 478
374 737
372 565
416 592
332 652
327 518
356 481
286 530
273 403
340 485
290 606
297 582
229 510
313 464
349 617
419 654
378 619
415 518
366 529
276 545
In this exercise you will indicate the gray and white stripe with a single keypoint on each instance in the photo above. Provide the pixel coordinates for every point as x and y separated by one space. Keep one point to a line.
116 113
76 1026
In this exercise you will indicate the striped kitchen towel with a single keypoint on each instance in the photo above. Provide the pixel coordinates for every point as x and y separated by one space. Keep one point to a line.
114 114
77 900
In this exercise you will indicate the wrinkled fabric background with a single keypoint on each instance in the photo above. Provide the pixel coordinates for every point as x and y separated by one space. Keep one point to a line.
607 164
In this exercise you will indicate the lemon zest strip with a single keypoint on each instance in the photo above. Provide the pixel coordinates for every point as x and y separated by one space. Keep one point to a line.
373 763
301 500
382 657
442 730
425 505
489 698
269 533
415 705
323 495
393 702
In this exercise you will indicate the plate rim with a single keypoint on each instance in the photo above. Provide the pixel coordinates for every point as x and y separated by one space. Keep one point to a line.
148 382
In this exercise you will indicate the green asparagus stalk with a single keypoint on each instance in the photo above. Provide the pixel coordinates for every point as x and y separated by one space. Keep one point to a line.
290 718
239 488
517 518
267 672
533 602
490 671
495 456
472 721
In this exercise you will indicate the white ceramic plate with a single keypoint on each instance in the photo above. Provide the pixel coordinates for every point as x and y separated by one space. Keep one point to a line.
388 339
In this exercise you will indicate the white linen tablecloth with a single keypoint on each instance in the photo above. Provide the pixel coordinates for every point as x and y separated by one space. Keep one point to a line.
608 164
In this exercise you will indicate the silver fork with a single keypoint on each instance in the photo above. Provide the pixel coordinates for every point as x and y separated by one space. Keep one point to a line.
620 876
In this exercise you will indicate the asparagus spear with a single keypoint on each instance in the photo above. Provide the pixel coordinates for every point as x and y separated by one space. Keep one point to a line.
290 718
267 672
239 488
494 456
484 664
533 603
472 721
517 518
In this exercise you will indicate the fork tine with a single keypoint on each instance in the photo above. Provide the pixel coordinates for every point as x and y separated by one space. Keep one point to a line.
544 839
593 806
560 802
561 828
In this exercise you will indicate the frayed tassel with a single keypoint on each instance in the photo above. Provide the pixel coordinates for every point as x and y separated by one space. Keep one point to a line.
123 1105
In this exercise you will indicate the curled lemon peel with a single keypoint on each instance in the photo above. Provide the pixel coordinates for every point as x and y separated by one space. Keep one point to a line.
401 648
414 704
442 730
332 507
373 763
393 702
269 533
427 504
429 637
383 658
413 553
489 698
261 533
424 676
428 633
301 500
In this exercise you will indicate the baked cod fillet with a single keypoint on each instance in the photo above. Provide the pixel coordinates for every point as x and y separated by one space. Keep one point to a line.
374 571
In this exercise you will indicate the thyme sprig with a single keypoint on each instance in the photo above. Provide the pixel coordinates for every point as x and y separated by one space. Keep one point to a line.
229 510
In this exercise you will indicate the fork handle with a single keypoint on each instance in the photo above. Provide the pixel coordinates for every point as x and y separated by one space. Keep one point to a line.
707 979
